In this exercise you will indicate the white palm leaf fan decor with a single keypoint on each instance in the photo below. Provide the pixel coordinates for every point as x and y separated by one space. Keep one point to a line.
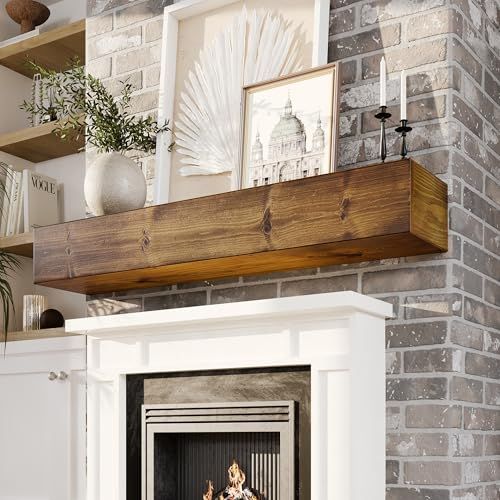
256 46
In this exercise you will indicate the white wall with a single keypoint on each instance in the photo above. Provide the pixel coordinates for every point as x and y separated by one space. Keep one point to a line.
14 89
65 12
17 163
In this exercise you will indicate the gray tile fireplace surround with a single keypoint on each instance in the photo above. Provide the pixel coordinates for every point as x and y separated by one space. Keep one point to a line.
227 386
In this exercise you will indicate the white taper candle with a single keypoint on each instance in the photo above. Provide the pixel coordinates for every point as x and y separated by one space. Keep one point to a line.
403 95
383 82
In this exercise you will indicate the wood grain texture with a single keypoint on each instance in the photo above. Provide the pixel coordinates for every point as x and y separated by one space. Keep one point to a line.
52 49
38 144
19 244
49 333
344 217
429 208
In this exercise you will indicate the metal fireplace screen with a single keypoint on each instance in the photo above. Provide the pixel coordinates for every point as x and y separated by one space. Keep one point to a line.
240 451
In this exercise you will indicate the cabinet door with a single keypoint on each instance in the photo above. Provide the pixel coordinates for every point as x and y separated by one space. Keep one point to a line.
42 422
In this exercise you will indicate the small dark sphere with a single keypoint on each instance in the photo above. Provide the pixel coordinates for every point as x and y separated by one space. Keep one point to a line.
51 318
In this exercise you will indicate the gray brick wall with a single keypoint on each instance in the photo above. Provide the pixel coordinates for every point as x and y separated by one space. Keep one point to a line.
124 44
443 343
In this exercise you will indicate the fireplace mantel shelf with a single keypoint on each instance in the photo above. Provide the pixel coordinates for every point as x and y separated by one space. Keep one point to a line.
377 212
174 320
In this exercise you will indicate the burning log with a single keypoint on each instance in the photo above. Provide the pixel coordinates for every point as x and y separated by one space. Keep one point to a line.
234 490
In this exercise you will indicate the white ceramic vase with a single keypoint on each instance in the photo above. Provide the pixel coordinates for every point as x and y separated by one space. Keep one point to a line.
114 183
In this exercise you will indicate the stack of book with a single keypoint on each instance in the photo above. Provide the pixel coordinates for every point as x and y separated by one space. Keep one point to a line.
29 200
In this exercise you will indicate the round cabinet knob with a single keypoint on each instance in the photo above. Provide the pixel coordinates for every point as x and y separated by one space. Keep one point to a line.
52 376
62 375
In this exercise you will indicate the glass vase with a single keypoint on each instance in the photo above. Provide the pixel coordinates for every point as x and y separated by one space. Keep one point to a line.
33 307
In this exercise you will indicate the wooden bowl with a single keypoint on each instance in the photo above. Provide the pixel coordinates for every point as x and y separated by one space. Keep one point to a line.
28 13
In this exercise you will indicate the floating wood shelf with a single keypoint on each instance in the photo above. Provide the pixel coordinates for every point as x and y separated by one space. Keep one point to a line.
49 333
19 244
38 144
52 49
376 212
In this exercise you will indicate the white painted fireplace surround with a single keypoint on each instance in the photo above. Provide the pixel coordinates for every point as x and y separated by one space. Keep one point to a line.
339 335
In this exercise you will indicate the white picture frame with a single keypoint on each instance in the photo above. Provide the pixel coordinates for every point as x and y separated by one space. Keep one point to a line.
185 9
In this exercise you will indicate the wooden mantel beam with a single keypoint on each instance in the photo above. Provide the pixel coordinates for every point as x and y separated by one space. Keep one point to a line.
376 212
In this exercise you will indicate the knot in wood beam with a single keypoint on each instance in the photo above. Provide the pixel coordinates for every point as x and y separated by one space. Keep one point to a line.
145 240
344 204
266 225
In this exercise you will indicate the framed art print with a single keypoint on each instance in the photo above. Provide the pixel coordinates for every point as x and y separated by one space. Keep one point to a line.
211 50
290 127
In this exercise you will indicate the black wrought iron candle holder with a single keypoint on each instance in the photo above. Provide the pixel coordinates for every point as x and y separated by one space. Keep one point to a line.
403 130
383 115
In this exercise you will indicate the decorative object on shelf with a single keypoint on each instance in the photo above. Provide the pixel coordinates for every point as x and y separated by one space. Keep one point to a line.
224 48
9 264
28 13
37 99
403 129
256 46
51 113
40 200
42 107
113 182
51 318
31 200
282 144
383 114
33 306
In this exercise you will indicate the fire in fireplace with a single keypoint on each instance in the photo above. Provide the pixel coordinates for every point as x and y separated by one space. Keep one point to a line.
235 489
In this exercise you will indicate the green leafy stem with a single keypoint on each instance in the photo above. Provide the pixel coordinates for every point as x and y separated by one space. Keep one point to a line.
86 108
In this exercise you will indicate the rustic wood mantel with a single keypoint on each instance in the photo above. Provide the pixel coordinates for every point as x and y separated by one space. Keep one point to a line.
369 213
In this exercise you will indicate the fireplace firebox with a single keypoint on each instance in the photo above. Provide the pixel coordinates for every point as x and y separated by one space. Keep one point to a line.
219 451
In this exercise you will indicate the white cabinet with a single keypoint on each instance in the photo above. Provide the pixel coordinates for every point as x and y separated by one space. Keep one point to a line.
42 421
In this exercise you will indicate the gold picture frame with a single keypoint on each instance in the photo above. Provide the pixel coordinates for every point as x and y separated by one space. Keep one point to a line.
290 127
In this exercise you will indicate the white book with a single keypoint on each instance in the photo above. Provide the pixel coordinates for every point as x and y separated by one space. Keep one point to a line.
4 207
14 206
8 193
19 222
40 197
12 175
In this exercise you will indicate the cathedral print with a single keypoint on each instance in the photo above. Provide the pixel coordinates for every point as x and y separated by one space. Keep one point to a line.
287 156
289 128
